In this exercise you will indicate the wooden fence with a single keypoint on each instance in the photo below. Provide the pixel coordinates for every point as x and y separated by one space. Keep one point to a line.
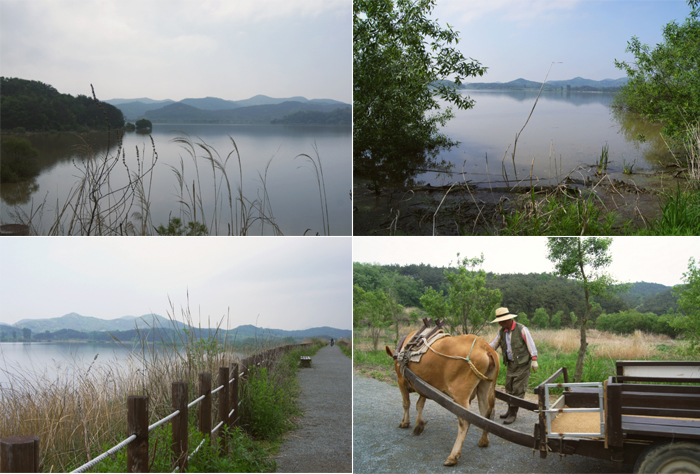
21 453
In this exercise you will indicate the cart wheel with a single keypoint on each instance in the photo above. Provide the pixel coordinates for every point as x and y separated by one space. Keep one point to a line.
683 457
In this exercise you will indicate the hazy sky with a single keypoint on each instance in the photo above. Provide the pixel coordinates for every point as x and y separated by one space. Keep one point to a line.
177 49
521 38
278 283
650 259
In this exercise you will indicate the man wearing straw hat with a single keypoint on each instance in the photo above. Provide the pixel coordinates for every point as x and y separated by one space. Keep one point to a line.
519 356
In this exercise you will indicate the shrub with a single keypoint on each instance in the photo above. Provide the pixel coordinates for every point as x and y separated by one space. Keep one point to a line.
19 160
541 318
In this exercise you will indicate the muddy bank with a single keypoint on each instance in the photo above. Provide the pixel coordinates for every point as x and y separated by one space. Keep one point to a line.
471 210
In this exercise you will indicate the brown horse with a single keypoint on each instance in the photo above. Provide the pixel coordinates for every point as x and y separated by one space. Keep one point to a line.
445 367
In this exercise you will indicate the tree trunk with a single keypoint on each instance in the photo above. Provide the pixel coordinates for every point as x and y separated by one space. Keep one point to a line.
578 374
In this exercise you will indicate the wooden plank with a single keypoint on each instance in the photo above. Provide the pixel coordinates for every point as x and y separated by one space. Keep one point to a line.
665 412
613 422
660 400
647 426
519 402
659 369
670 380
475 419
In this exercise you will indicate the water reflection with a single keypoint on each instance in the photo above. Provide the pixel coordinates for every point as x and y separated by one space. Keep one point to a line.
643 135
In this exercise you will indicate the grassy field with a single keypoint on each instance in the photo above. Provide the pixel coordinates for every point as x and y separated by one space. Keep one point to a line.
556 349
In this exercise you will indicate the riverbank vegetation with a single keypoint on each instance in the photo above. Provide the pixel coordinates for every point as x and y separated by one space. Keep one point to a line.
80 412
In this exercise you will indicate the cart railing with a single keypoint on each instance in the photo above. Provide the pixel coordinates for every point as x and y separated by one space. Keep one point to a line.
553 409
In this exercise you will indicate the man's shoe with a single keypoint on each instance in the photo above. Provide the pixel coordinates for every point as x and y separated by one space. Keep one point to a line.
506 414
513 413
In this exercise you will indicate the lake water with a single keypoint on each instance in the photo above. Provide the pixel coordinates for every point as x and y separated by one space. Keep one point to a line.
53 361
573 127
291 183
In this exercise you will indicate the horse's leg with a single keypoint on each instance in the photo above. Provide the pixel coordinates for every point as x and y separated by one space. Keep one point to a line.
457 448
406 422
487 399
420 424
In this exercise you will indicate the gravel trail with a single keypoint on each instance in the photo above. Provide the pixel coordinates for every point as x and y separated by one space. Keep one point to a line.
323 443
381 446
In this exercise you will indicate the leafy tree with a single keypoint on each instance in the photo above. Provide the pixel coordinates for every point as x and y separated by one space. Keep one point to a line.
555 322
689 303
175 228
523 319
540 319
573 318
470 302
584 261
26 334
370 308
143 125
664 82
20 160
402 60
435 304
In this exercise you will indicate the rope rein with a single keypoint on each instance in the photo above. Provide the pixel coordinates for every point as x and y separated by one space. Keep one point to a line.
473 367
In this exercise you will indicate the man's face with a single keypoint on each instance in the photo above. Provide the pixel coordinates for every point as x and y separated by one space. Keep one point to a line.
506 324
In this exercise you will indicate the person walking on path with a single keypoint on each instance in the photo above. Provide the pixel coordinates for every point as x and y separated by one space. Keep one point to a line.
323 442
519 356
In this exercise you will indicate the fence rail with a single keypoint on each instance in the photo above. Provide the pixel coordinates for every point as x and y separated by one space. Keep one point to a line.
21 453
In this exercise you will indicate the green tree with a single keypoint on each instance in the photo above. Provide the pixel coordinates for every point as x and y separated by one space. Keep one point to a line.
434 303
555 322
584 260
470 302
689 303
143 125
664 82
20 160
523 319
540 319
26 334
370 308
402 60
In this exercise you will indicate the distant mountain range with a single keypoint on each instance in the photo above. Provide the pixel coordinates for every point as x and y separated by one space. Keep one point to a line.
257 109
577 84
73 322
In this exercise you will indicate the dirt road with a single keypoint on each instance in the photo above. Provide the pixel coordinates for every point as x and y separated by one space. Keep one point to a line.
324 441
381 446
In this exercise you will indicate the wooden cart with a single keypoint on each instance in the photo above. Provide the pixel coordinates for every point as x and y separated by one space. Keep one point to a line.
648 414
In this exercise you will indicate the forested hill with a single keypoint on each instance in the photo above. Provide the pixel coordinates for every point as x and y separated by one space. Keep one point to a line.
577 84
37 107
521 292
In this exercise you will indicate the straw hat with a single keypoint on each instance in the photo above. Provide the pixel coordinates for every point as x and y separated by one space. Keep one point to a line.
503 314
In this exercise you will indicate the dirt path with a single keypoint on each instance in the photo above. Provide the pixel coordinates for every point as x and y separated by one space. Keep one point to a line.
381 446
324 441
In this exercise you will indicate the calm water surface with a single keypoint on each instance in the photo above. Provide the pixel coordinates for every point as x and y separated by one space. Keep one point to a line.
53 361
573 127
292 185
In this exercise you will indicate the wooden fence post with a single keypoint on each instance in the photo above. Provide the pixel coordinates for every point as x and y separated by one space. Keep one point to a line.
180 443
235 374
19 454
137 424
205 404
223 407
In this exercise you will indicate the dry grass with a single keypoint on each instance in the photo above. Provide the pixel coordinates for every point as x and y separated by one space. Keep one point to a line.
76 412
566 341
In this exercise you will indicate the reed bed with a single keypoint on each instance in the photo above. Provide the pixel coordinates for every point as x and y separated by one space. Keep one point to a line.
79 412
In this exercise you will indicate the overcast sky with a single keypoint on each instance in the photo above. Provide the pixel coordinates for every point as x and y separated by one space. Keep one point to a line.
277 283
521 38
650 259
177 49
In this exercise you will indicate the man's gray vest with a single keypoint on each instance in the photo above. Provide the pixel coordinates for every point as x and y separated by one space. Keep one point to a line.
517 345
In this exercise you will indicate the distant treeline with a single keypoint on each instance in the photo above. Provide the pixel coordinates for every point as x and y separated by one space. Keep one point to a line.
37 107
335 117
157 336
521 292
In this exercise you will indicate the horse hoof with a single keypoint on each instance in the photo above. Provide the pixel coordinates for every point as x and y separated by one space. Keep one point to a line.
418 429
404 425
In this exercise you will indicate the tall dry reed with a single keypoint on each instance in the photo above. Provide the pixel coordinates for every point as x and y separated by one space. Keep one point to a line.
77 412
